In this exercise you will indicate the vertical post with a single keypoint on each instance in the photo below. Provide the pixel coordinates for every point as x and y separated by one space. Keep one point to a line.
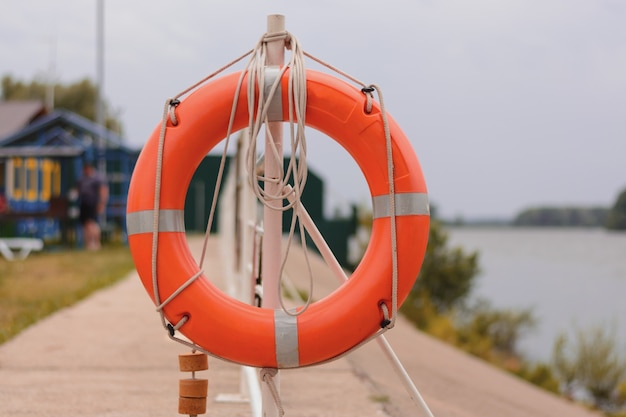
51 78
100 75
99 60
100 140
272 216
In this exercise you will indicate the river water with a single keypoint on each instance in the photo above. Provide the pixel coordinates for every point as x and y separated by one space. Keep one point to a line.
570 278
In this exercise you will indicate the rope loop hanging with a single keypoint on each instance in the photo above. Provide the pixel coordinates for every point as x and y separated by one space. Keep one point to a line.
172 111
297 167
392 206
369 97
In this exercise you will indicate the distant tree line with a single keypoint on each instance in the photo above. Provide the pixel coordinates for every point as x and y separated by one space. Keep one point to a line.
562 217
613 218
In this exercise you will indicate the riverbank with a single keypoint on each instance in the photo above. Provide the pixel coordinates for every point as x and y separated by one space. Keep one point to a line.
108 356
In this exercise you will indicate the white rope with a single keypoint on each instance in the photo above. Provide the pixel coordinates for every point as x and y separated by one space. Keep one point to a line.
296 169
297 166
156 209
367 90
169 111
392 208
297 89
267 375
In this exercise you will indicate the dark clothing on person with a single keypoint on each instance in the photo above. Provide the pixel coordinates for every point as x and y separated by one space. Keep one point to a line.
89 196
88 212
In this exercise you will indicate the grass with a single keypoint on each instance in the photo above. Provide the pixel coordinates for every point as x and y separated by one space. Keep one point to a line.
379 398
46 282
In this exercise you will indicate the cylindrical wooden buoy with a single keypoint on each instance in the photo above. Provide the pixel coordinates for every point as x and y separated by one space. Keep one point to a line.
191 406
191 362
192 393
193 388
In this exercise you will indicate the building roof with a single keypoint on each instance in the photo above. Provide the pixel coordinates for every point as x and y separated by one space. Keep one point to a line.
15 115
60 133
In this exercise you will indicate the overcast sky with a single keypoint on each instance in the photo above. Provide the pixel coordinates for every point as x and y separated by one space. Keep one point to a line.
508 103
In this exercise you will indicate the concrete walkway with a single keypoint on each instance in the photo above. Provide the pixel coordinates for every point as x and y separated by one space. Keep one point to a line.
109 357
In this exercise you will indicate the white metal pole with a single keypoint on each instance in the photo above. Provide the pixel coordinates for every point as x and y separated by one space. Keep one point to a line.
99 61
339 273
272 216
100 121
51 78
100 81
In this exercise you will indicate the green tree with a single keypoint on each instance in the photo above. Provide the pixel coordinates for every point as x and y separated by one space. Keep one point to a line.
447 274
78 97
592 364
616 219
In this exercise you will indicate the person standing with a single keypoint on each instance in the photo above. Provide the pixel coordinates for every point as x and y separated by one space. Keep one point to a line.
93 193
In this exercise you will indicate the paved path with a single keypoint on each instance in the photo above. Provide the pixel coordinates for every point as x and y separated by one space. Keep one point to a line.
109 357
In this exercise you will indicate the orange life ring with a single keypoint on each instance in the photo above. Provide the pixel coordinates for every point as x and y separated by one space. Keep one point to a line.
241 333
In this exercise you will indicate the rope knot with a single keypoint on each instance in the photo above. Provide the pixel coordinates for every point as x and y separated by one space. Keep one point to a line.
386 322
267 373
276 36
172 110
369 94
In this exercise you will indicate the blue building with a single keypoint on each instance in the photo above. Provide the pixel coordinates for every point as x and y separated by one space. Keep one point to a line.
41 157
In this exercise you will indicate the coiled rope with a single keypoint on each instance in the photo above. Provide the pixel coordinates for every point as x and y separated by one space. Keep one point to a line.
297 166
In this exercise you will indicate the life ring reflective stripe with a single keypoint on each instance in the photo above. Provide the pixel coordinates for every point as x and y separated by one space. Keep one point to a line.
260 337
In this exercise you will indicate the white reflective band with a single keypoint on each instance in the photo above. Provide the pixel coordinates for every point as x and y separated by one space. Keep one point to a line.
406 204
286 333
143 221
275 109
